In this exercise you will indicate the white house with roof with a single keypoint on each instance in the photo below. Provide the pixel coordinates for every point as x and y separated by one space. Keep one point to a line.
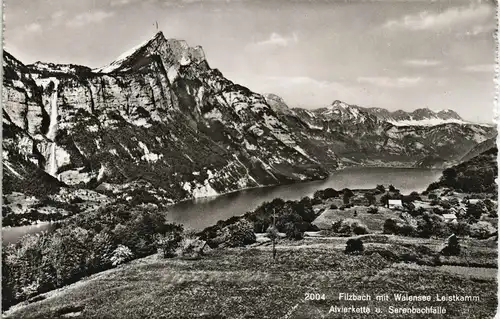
395 203
449 218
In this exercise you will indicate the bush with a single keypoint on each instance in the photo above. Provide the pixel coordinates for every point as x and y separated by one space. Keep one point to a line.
414 196
373 210
460 228
190 247
432 196
370 197
354 246
168 243
452 248
333 206
121 255
474 211
293 233
350 226
482 230
238 234
391 226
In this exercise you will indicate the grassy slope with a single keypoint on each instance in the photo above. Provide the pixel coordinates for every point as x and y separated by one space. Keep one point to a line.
245 283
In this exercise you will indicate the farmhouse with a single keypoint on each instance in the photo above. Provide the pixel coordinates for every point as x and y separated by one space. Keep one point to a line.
395 203
449 217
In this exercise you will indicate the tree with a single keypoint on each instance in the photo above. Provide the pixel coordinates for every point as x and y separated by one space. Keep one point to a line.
384 200
474 211
392 188
370 197
348 192
380 188
354 246
121 255
453 247
346 198
449 176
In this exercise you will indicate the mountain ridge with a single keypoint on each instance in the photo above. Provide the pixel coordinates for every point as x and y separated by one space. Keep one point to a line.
160 116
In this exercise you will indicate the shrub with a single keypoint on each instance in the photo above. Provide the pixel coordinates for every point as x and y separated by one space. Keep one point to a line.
349 226
474 211
384 200
121 255
391 226
452 248
354 246
190 247
292 232
370 197
414 196
434 202
333 206
432 196
373 210
239 234
168 243
346 198
360 230
482 230
460 228
380 188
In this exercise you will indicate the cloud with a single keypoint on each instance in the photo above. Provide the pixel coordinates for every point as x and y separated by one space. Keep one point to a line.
401 82
120 3
33 27
277 40
56 18
478 30
476 68
422 62
88 18
429 20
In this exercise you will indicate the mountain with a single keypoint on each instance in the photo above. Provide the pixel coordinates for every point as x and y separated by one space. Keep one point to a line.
475 175
422 116
368 136
480 148
159 125
158 118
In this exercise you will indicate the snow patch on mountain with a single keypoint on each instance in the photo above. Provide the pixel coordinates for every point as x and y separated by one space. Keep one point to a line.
426 122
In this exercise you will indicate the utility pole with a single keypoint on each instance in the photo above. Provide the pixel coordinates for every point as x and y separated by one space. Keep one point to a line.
275 234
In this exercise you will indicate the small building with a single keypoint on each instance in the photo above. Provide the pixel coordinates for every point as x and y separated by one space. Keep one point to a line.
395 203
449 217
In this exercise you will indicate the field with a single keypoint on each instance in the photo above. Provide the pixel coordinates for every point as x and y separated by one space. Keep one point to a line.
247 283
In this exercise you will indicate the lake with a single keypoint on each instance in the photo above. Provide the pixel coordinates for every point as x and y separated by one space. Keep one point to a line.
200 213
204 212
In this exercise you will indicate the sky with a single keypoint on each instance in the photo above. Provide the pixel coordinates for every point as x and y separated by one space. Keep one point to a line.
393 54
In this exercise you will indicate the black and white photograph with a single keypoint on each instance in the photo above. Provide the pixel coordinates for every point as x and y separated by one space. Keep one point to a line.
249 159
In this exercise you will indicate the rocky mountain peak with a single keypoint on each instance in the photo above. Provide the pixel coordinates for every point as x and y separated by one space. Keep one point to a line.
277 103
448 114
172 52
339 104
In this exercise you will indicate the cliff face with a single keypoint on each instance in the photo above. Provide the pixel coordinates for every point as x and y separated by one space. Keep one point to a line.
158 116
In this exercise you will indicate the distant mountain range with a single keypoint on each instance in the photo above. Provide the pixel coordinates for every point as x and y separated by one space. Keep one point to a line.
377 137
160 120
